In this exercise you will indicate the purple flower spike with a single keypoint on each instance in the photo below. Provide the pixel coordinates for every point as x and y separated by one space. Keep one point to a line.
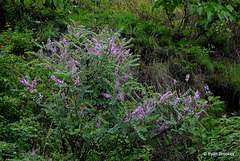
126 52
186 110
148 109
166 96
48 42
144 103
116 70
163 124
179 117
154 103
201 104
77 80
187 77
139 109
69 30
34 83
112 41
128 117
177 99
65 42
119 97
174 81
117 85
99 122
106 95
48 66
26 83
141 116
197 96
63 95
199 113
57 80
81 31
33 152
124 78
74 70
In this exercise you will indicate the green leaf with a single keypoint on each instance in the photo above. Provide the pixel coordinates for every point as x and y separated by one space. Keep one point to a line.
199 9
209 15
230 8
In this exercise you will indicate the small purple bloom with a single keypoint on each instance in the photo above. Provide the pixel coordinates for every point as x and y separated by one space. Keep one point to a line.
124 78
144 103
179 117
81 31
197 96
63 95
154 103
77 80
99 122
106 95
81 110
199 113
187 77
174 81
33 152
139 109
34 83
141 116
201 104
67 106
186 110
65 42
57 80
190 99
166 96
74 70
48 66
48 42
148 108
128 117
162 126
28 84
112 41
127 52
177 99
119 97
116 70
117 85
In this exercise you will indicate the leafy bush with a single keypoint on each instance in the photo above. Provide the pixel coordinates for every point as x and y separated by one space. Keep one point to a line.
97 110
16 42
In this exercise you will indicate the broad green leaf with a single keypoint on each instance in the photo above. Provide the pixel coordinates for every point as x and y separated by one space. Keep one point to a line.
209 15
230 8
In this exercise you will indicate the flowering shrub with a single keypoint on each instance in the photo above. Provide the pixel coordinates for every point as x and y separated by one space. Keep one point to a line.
97 109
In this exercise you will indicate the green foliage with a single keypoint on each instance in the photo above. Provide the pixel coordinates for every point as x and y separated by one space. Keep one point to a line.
7 150
15 42
208 13
223 139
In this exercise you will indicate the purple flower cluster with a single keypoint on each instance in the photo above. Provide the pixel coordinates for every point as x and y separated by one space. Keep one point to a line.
30 86
57 80
166 96
140 110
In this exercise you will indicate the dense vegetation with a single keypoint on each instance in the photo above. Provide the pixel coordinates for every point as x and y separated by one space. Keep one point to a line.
119 80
